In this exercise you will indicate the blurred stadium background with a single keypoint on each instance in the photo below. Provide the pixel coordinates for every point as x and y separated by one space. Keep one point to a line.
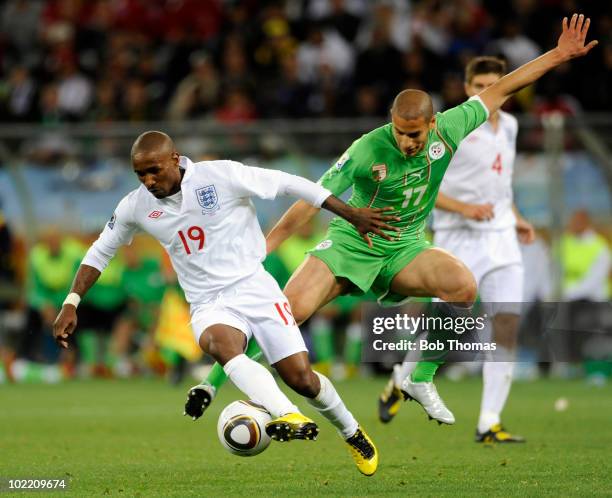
279 84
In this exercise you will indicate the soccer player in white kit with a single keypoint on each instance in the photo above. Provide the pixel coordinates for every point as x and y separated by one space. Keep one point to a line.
203 216
476 220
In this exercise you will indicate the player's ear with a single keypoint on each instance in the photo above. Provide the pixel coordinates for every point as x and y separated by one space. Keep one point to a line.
175 157
432 122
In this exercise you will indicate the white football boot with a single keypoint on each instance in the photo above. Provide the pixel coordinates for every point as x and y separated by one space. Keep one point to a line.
426 394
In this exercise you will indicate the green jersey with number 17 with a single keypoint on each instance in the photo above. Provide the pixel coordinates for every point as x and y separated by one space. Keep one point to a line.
381 175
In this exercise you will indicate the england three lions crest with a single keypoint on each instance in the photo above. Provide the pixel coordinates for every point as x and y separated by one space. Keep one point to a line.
208 199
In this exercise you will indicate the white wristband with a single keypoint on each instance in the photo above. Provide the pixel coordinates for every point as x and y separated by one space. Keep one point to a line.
72 298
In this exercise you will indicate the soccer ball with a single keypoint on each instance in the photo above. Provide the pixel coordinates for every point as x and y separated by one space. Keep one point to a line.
242 428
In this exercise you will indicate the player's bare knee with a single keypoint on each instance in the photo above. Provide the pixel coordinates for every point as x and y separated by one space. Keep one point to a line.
460 287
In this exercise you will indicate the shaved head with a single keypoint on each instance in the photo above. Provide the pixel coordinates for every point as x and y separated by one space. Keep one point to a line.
412 104
152 141
157 163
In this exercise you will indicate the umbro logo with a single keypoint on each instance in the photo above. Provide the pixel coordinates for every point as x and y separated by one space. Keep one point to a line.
155 214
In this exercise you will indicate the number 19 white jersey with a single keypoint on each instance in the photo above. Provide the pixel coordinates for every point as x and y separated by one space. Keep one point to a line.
209 228
480 173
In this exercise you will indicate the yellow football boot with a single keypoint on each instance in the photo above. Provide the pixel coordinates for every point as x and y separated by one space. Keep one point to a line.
497 434
363 451
292 426
389 402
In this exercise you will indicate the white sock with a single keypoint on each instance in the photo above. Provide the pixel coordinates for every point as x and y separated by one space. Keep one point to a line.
497 379
257 383
401 371
329 404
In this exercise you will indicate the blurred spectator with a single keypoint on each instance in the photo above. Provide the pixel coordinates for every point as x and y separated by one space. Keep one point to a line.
552 98
101 320
368 103
324 56
453 92
585 259
18 96
341 19
390 16
431 26
286 95
8 273
514 46
143 284
379 65
135 105
198 93
104 109
74 90
51 266
50 112
594 91
421 65
20 23
321 9
275 40
238 107
234 66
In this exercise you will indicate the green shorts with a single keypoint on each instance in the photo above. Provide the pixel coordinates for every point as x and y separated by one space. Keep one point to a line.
348 255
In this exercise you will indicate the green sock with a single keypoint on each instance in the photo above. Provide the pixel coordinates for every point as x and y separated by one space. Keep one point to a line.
425 371
427 367
217 376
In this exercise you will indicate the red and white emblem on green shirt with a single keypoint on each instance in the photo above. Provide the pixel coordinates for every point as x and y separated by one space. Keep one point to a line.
436 150
379 172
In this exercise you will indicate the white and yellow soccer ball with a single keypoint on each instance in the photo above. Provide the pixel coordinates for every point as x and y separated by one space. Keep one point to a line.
242 428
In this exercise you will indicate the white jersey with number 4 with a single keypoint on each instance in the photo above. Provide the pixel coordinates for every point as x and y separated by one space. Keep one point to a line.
480 173
209 228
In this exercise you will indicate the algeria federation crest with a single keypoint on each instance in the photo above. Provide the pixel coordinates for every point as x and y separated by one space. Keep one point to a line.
436 150
208 199
379 172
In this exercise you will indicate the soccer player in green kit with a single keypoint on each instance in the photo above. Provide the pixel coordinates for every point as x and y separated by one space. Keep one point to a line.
399 167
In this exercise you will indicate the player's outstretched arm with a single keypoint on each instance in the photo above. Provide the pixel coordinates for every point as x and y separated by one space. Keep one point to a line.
571 44
66 320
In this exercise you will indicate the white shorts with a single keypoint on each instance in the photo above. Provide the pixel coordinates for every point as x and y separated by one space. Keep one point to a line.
257 307
494 258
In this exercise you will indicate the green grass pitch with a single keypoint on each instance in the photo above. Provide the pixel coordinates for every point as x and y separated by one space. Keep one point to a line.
129 438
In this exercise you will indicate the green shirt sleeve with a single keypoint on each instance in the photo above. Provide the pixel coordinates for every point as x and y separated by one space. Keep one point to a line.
458 122
343 173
